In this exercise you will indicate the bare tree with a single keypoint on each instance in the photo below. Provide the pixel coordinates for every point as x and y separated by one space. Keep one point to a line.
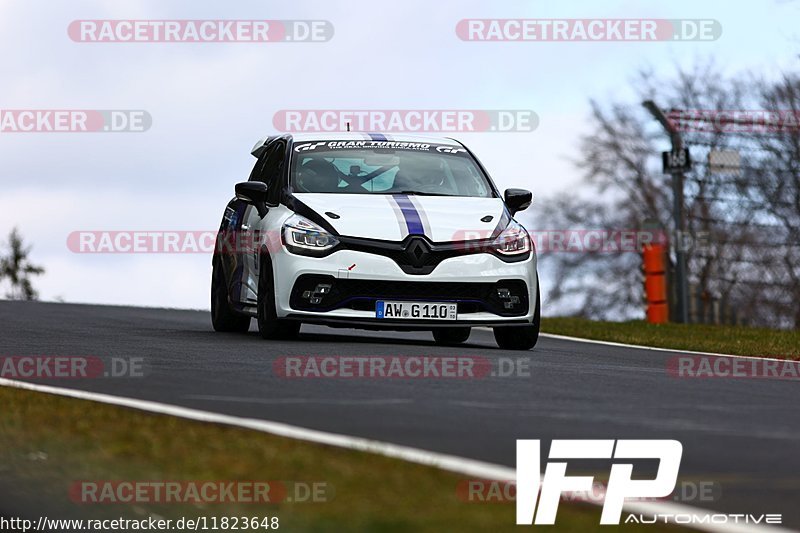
17 268
773 188
748 220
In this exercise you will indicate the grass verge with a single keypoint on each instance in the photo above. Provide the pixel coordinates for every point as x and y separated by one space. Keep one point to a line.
734 340
48 442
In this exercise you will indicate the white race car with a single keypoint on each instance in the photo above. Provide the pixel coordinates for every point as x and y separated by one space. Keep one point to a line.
379 232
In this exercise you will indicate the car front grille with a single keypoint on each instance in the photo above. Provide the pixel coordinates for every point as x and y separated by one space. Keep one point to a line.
414 255
312 292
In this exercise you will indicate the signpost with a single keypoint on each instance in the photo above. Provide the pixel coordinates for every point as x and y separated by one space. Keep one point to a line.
725 162
676 162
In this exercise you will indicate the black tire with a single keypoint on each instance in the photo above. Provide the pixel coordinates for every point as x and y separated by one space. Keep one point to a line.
223 318
269 325
521 337
450 336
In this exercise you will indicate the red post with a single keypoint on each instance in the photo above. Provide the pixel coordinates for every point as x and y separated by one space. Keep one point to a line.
655 283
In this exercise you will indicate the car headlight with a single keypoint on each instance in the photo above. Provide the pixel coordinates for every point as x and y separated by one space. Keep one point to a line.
301 236
512 241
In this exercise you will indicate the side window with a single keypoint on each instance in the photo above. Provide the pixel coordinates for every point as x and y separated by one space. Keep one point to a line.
269 170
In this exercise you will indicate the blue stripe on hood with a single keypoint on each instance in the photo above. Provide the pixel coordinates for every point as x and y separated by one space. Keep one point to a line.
410 214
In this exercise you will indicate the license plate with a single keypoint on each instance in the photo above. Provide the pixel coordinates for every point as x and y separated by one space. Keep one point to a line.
416 310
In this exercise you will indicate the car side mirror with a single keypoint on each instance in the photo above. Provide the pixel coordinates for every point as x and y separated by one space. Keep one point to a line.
254 192
518 199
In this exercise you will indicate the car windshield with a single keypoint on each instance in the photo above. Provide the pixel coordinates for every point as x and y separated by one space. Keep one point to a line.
386 167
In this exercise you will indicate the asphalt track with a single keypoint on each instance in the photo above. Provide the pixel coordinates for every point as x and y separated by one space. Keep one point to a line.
743 435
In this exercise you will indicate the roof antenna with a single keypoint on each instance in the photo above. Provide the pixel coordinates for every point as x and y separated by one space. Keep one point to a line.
348 126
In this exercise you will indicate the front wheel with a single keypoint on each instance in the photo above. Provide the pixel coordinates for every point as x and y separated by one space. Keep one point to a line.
517 337
449 336
269 325
223 318
521 337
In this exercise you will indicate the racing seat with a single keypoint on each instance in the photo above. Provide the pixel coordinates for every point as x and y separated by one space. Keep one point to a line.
407 181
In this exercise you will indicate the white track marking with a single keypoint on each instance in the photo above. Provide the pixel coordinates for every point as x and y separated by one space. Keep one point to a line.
648 348
292 401
450 463
655 349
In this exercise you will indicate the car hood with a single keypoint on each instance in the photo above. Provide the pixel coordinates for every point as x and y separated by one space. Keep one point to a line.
394 217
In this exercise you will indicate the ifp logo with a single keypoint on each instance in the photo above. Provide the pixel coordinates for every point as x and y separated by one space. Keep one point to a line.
620 485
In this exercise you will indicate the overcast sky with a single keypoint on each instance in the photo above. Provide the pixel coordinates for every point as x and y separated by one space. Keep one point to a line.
210 102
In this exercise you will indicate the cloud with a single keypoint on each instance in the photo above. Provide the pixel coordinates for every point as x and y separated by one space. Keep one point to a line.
210 102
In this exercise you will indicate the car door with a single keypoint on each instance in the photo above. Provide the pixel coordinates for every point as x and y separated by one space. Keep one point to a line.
255 230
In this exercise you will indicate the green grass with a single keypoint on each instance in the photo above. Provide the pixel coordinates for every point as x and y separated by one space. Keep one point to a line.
48 442
734 340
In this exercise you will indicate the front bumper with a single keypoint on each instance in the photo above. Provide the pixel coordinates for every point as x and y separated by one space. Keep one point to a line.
341 289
